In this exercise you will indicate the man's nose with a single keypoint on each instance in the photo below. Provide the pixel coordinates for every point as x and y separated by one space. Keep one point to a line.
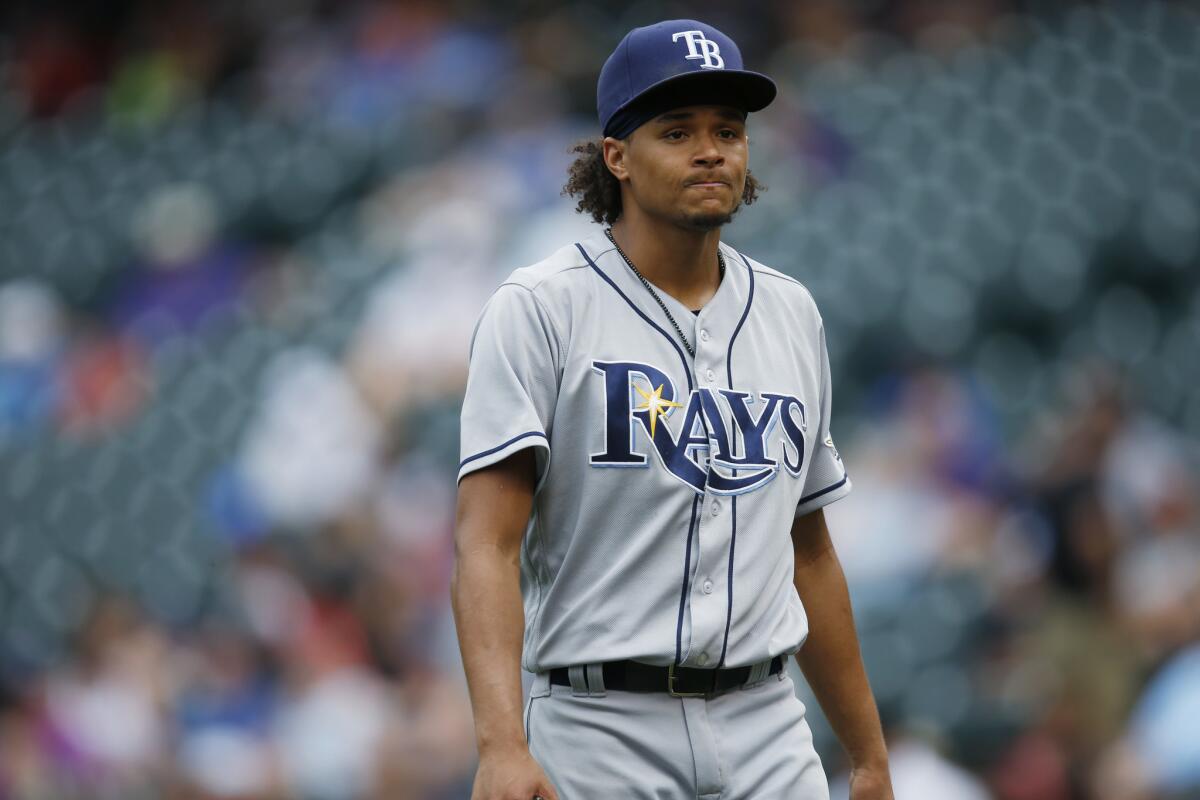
707 152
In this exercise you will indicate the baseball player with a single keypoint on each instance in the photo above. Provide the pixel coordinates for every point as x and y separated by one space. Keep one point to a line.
645 455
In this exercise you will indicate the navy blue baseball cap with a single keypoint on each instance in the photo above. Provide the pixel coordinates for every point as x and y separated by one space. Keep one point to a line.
680 62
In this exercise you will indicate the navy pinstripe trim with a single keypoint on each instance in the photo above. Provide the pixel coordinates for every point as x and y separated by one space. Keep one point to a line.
500 447
729 580
746 313
688 374
826 490
687 574
683 359
733 502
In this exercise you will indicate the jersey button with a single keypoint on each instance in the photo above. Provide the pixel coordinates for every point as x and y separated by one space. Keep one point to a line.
709 375
708 587
703 659
704 335
716 507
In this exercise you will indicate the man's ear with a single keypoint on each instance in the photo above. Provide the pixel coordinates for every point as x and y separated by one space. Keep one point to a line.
614 157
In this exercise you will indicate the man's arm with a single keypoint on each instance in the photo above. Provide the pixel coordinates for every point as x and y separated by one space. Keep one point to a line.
830 658
493 510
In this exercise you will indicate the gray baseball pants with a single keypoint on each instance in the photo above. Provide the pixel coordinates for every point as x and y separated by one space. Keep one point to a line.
750 743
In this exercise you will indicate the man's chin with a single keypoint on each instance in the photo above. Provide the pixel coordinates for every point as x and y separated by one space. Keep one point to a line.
703 223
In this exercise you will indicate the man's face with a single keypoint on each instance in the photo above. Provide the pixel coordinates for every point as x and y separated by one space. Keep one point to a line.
686 166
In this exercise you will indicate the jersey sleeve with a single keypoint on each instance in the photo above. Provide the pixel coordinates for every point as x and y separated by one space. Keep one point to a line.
512 382
827 479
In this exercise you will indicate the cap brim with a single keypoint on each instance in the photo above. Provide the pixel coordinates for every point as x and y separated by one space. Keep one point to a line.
739 88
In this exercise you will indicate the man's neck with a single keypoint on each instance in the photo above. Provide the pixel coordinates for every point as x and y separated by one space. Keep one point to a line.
680 262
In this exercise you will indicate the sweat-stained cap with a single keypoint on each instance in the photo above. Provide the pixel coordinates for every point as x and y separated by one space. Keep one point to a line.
680 62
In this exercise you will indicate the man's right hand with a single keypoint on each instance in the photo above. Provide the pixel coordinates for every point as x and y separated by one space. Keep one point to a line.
512 775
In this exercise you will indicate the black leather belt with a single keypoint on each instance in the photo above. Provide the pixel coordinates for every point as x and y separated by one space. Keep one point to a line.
634 676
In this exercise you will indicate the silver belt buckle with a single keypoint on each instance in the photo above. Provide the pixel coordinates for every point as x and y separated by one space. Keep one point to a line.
671 686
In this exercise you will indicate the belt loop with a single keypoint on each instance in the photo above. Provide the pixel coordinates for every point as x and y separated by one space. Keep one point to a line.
579 686
540 687
595 680
758 672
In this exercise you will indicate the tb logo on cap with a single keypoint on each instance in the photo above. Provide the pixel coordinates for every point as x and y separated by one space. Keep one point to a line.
701 48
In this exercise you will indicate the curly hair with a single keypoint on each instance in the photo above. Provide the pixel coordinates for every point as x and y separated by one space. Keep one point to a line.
599 192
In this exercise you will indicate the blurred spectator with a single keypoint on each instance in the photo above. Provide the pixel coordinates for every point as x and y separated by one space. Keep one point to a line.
31 345
246 248
107 708
1162 727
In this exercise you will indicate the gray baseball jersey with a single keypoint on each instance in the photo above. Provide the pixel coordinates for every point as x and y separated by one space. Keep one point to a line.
666 486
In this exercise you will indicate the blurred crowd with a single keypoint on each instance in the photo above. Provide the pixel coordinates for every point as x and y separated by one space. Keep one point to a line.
242 248
1037 598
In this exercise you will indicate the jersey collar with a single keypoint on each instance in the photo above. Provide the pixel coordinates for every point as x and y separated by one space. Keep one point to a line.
720 315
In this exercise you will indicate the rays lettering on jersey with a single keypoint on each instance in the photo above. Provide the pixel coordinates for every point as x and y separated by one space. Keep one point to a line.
642 397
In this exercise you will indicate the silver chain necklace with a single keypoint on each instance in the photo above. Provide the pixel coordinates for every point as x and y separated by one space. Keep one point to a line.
654 294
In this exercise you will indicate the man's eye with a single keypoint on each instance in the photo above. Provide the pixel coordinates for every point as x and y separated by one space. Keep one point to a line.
674 135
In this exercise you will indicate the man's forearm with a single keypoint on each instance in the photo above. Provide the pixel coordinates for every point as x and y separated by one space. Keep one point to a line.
830 658
489 616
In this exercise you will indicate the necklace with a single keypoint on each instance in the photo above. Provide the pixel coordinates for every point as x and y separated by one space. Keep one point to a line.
720 266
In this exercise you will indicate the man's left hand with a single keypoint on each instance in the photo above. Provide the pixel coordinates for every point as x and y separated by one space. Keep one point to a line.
870 783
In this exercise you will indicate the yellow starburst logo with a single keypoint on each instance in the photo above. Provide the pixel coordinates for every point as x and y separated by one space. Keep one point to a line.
655 404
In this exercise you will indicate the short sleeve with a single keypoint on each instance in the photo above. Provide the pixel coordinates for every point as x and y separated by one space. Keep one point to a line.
512 382
827 479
